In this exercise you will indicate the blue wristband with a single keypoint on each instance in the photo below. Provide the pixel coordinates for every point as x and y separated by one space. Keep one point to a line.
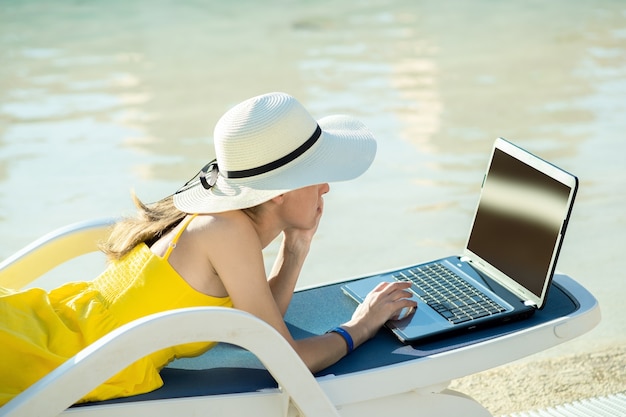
346 336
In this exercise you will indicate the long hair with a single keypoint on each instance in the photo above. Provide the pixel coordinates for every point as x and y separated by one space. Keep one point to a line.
150 223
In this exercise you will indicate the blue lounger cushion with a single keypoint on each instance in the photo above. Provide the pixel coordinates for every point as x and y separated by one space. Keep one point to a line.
228 369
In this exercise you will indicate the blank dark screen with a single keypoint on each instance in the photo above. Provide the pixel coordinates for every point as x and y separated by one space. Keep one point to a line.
518 220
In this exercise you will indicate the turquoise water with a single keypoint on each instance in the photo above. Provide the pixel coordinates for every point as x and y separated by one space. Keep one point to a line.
97 98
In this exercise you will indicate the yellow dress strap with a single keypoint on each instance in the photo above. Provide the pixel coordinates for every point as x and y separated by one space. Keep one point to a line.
172 244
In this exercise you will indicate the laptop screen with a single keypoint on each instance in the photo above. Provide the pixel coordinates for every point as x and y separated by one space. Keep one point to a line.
517 227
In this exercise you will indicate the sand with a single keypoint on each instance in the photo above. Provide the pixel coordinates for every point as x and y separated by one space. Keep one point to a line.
536 384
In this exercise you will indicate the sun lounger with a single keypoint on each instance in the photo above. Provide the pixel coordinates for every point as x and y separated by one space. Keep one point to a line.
255 372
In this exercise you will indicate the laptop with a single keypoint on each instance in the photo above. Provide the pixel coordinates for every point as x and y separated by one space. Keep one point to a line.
505 270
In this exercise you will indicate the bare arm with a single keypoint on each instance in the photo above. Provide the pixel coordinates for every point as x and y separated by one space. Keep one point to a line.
288 265
294 249
250 291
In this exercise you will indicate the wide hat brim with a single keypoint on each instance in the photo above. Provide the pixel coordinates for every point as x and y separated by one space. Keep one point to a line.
344 151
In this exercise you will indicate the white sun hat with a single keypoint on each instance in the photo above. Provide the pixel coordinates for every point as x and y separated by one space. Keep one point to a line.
270 144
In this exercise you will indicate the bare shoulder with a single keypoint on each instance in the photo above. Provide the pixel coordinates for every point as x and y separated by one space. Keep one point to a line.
210 247
225 237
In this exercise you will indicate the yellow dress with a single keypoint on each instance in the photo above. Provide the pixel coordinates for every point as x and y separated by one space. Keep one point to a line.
39 330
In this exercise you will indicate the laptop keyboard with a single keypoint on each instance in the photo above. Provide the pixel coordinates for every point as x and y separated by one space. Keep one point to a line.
448 294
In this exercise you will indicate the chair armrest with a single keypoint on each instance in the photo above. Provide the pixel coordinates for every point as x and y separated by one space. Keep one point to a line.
52 250
112 353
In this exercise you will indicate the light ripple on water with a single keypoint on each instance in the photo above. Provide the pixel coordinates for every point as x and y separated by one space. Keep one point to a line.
100 98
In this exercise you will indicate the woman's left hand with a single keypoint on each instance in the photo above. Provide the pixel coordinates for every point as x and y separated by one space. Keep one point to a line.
297 239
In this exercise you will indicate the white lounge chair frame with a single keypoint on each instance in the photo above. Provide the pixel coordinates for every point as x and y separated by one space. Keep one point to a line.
371 393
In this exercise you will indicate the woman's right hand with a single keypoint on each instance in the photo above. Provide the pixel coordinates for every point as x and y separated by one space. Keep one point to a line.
383 303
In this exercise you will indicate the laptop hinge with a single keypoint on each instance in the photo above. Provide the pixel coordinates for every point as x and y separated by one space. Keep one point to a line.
478 267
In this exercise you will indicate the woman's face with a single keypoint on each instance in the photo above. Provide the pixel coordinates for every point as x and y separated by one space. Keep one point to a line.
303 206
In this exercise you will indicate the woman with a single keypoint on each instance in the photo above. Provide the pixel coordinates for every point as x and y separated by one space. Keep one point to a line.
203 247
